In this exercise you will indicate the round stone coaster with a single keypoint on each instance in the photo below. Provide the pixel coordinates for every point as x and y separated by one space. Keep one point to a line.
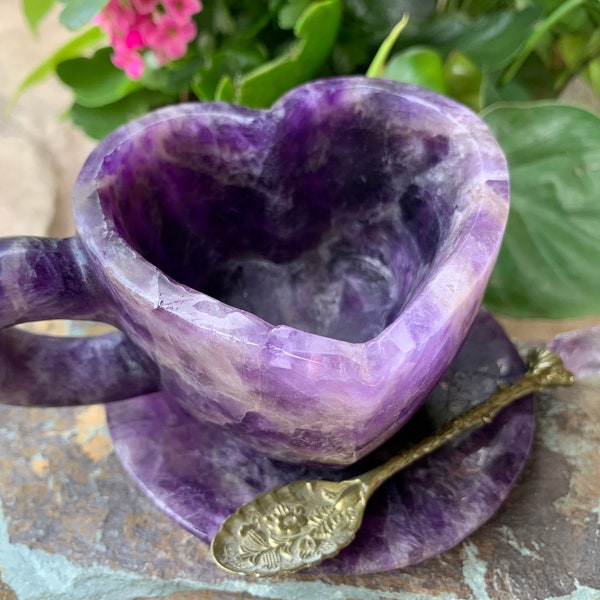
198 475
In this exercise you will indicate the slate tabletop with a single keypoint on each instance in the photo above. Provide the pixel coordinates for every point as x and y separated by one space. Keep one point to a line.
74 527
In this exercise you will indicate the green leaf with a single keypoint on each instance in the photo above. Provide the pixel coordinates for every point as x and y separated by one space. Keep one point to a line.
419 65
173 78
316 31
349 57
533 83
289 13
77 13
535 37
225 90
511 92
99 122
35 11
549 263
593 74
222 20
95 81
493 39
572 20
230 61
571 48
464 80
90 38
377 17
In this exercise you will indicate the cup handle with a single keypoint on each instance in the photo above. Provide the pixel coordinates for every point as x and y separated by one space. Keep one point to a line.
44 278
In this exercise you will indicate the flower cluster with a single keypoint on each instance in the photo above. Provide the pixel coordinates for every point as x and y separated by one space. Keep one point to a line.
165 27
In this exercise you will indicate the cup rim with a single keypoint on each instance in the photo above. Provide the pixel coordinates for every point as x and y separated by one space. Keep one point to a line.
128 269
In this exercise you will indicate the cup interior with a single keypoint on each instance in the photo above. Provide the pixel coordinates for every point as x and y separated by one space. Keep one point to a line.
325 214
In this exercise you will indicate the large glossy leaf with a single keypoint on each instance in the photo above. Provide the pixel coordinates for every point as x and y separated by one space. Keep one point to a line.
549 264
316 30
78 13
35 11
493 39
95 81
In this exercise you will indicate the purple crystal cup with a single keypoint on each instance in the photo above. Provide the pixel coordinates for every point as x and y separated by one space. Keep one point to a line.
300 276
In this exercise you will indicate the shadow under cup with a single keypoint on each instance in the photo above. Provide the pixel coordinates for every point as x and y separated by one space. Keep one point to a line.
301 276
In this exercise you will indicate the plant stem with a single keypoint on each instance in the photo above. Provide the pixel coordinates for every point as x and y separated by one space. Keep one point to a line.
378 64
539 32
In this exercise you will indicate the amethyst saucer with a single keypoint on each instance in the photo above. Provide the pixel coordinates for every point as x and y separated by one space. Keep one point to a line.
197 474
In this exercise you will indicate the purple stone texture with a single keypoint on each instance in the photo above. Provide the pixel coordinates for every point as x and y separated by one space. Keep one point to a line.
580 351
301 276
198 474
45 279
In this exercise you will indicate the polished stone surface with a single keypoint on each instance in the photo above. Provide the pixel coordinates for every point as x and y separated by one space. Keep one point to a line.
44 278
580 350
198 475
353 226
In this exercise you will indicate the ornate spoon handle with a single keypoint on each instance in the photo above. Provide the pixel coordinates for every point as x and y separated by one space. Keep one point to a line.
545 370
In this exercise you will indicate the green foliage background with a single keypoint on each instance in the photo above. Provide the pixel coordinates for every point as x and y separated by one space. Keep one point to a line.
507 59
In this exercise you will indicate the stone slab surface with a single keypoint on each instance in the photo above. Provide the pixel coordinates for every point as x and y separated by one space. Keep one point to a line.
74 526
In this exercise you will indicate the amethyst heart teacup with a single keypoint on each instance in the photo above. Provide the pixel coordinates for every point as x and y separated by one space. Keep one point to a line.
300 276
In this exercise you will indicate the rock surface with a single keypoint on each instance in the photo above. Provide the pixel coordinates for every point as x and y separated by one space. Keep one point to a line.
74 527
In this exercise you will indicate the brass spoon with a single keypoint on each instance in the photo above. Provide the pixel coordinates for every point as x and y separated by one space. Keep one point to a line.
302 523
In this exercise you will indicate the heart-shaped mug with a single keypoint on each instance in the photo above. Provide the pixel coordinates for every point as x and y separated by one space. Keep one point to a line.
301 276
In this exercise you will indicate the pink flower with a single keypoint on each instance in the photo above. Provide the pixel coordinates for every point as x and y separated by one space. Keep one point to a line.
182 10
147 29
133 40
133 26
144 7
129 61
170 38
116 18
139 31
